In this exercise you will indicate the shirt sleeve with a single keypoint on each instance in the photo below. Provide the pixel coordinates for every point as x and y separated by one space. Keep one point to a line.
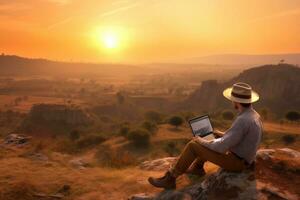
231 138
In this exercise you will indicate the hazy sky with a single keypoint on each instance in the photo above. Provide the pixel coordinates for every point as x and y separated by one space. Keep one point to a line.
147 30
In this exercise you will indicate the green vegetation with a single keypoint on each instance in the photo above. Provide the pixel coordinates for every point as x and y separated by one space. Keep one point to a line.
176 121
150 126
171 147
288 139
74 135
292 116
139 137
227 115
154 116
116 158
124 130
89 141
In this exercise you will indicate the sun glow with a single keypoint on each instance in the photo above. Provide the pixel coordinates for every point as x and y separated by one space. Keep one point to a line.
110 39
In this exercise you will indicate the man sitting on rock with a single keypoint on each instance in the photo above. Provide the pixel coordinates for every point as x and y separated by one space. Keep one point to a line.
233 150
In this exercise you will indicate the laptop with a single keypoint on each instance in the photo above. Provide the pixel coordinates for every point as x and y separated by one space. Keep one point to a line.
201 126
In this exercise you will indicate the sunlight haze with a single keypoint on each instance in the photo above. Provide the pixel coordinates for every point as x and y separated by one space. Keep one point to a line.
147 30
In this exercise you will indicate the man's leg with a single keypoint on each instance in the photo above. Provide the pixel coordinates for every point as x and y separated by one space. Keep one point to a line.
192 151
196 151
188 156
196 168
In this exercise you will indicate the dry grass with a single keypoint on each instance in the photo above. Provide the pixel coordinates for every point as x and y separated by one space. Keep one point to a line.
7 102
282 128
22 177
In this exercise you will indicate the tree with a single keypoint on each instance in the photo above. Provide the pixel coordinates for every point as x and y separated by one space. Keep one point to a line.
292 116
124 130
120 98
227 115
264 113
187 115
176 121
139 137
150 126
74 135
153 116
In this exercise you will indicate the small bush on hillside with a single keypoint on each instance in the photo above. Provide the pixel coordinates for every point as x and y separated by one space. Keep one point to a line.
118 158
74 135
139 137
288 139
66 146
89 141
176 121
150 126
154 116
187 115
227 115
293 116
171 148
124 130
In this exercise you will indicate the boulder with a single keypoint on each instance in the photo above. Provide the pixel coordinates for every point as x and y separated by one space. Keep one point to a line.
158 164
79 163
275 176
16 139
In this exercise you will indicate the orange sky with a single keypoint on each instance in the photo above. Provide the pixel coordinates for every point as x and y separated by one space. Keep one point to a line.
147 30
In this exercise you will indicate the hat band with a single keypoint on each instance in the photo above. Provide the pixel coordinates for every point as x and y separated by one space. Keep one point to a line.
242 96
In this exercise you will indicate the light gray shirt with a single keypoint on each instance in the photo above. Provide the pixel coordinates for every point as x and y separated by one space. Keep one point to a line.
242 138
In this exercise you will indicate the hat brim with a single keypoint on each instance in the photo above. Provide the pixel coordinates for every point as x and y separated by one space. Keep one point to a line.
227 95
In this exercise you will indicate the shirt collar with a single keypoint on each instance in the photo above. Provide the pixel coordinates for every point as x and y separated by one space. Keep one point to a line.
245 110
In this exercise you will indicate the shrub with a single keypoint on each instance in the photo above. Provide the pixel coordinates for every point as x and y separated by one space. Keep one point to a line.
171 148
124 130
74 135
288 139
118 158
176 121
150 126
89 141
153 116
187 116
139 137
227 115
292 116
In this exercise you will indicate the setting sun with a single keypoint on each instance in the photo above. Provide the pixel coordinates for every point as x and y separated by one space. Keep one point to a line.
110 40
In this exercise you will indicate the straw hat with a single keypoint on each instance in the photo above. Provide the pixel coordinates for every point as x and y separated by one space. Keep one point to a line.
241 93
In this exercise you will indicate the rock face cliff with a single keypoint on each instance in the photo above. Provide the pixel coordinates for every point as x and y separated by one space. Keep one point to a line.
278 86
276 176
59 113
53 117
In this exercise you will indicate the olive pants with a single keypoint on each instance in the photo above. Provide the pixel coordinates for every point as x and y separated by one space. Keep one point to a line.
195 153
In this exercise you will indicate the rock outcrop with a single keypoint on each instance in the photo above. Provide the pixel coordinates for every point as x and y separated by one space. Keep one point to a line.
54 119
276 176
59 113
272 82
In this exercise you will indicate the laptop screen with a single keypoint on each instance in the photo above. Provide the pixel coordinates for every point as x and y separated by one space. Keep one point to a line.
201 126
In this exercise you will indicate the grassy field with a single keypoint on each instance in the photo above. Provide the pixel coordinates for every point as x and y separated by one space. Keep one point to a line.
7 102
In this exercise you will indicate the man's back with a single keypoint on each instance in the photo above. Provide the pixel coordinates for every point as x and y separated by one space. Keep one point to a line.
252 135
242 138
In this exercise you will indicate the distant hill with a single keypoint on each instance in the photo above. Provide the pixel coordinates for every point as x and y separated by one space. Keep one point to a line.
244 59
11 65
278 86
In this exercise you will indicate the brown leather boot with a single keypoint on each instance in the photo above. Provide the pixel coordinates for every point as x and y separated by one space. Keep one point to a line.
168 181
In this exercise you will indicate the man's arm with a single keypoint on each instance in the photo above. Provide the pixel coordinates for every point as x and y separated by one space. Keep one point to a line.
231 137
217 133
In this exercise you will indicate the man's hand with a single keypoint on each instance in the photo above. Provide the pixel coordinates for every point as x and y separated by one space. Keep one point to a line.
218 133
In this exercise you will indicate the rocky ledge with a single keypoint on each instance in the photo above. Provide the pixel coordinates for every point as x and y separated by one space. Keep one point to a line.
276 176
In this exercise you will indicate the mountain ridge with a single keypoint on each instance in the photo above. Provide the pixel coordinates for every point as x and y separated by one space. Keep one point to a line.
278 86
